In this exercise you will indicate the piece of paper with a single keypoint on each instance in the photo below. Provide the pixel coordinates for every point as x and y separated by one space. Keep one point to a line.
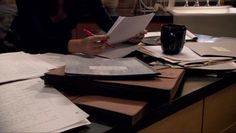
221 66
54 59
29 106
127 27
222 49
19 65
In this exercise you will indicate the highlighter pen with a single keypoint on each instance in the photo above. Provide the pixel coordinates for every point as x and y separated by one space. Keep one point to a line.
92 34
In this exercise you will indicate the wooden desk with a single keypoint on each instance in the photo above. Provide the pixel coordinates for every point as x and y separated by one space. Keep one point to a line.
206 104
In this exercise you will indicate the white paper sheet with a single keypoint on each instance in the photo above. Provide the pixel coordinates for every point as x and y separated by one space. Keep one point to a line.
28 106
126 27
54 59
19 65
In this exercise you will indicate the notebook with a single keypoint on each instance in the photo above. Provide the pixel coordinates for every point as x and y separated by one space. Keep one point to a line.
122 101
101 68
123 111
160 89
222 49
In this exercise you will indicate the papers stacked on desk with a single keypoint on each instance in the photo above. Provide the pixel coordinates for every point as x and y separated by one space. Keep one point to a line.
220 49
189 59
19 65
28 106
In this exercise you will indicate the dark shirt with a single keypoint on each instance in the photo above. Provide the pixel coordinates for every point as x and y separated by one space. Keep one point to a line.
37 33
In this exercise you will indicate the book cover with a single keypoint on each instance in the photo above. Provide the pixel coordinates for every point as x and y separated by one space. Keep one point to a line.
117 110
159 89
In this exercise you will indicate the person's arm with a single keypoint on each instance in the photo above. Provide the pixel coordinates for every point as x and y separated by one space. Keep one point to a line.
91 45
33 30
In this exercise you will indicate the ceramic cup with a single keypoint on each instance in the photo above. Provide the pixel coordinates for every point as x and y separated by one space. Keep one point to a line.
172 38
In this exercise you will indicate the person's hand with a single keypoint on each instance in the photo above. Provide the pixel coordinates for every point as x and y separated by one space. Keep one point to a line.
91 45
137 38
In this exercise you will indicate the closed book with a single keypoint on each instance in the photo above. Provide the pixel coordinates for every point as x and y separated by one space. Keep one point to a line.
102 68
122 111
158 90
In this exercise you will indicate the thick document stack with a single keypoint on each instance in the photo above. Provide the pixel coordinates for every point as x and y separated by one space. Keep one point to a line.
29 106
123 111
124 100
159 89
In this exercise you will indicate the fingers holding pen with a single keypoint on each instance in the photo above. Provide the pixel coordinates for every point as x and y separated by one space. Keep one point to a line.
90 45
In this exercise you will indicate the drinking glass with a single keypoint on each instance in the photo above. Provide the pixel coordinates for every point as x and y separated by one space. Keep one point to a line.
196 3
207 2
186 3
218 3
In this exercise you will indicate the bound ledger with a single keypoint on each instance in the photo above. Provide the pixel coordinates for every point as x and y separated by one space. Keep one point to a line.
123 101
122 111
156 89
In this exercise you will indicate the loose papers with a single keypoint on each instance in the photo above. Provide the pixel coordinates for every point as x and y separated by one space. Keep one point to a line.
19 65
126 27
29 106
189 59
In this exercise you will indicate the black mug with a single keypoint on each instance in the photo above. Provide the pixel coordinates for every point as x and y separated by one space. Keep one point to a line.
172 38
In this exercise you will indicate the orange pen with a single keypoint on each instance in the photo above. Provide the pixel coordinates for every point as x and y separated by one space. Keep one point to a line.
92 34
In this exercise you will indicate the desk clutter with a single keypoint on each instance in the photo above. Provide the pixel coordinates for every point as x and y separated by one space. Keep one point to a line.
43 85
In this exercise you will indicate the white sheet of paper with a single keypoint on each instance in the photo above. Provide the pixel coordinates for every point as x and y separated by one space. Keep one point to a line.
29 106
19 65
54 59
126 27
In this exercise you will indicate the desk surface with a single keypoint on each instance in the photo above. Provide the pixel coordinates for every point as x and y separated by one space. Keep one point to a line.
194 88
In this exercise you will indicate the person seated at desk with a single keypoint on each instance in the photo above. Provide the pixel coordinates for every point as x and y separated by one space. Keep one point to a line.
45 26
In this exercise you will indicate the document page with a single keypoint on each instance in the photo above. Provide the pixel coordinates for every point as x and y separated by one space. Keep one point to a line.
19 65
219 49
29 106
127 27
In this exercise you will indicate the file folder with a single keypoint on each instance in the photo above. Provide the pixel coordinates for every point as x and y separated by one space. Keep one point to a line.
120 101
158 90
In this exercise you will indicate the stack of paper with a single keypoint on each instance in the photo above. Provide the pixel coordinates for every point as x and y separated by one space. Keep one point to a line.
28 106
220 49
189 59
123 29
126 27
19 65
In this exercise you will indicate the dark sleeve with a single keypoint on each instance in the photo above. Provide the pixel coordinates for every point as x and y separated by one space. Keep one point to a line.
101 16
35 35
